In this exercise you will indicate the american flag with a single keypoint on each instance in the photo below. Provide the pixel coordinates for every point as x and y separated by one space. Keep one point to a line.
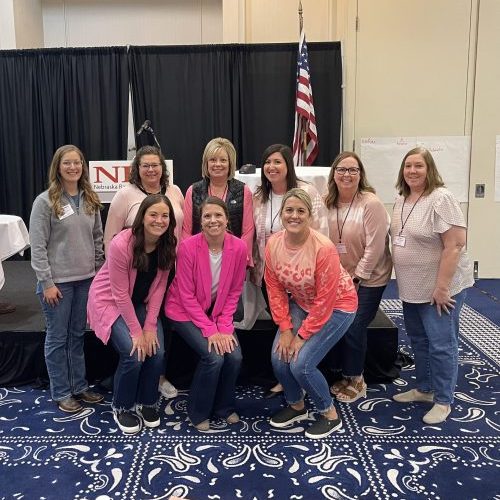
305 120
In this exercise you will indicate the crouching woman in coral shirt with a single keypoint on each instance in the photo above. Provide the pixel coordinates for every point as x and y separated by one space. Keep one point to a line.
200 304
313 301
124 302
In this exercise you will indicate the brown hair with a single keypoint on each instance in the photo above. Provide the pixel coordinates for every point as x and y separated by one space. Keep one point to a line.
433 179
264 190
90 199
215 200
134 171
332 196
166 243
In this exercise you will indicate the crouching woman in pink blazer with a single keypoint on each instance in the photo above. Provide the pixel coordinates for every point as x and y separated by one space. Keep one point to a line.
200 305
124 302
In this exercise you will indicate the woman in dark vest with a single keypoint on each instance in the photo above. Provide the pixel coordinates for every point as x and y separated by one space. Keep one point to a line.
217 169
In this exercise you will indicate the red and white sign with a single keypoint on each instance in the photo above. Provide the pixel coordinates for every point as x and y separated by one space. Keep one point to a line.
107 177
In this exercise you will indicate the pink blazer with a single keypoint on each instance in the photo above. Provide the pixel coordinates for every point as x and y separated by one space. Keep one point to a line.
189 296
110 294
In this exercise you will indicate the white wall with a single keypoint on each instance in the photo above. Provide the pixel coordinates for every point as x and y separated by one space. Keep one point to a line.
414 67
88 23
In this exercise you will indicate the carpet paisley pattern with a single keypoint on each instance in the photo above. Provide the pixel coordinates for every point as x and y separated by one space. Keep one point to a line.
383 450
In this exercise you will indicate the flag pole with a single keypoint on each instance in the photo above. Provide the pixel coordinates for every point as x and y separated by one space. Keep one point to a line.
303 142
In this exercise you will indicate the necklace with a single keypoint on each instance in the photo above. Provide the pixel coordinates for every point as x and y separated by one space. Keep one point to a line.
146 192
212 192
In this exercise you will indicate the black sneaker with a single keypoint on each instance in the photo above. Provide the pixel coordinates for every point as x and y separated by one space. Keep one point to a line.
150 415
127 421
288 416
323 427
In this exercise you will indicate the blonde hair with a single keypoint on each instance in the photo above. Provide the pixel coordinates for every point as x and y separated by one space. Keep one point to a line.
211 148
301 195
91 201
433 178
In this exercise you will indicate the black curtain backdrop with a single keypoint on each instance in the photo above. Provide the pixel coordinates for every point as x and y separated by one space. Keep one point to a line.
243 92
51 97
191 94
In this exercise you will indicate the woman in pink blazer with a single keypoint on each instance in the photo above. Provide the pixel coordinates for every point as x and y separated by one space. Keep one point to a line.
200 305
124 302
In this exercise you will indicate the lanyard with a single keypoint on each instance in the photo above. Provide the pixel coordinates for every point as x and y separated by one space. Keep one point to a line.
403 224
273 219
339 227
211 193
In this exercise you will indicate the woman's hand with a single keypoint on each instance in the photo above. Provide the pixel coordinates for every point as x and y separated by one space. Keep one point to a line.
139 345
217 341
151 342
295 347
441 297
52 295
283 345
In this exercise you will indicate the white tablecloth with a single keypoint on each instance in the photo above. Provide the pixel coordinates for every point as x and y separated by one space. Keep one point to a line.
315 175
14 238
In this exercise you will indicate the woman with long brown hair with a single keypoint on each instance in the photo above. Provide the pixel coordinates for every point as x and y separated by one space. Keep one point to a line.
66 252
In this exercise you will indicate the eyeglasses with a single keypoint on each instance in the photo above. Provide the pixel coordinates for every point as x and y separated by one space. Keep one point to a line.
147 166
343 170
68 163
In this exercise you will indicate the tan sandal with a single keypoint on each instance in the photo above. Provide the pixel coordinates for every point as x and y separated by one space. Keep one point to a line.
352 392
338 386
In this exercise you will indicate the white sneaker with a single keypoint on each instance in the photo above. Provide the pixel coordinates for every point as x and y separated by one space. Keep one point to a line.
167 389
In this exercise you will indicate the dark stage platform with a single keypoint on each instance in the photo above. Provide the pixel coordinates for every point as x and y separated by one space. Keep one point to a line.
22 338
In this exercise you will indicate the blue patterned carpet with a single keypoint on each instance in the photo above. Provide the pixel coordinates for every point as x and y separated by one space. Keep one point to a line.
383 450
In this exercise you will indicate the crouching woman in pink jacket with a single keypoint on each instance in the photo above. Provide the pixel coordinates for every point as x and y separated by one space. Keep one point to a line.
200 305
124 302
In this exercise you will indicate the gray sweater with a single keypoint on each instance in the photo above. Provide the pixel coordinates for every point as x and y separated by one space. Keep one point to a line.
67 249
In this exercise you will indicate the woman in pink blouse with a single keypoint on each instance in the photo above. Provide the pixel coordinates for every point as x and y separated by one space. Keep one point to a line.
148 175
200 305
359 228
313 301
433 273
125 299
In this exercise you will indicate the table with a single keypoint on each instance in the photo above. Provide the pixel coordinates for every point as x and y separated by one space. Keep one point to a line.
14 238
315 175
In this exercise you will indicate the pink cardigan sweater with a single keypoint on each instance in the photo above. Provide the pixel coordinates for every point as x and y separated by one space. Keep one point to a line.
110 294
189 296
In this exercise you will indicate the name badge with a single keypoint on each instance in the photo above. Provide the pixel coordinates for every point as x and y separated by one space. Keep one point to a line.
399 241
341 248
67 211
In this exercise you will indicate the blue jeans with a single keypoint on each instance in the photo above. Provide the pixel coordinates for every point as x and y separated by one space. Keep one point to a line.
135 381
353 344
434 340
65 331
213 387
303 373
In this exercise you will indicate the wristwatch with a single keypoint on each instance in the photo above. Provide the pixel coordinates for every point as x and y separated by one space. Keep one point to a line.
356 280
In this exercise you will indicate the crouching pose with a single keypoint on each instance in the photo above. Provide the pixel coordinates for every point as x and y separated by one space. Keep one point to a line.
200 304
313 301
124 302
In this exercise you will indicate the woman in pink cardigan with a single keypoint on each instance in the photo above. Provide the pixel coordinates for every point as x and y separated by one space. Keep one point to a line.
200 305
124 302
